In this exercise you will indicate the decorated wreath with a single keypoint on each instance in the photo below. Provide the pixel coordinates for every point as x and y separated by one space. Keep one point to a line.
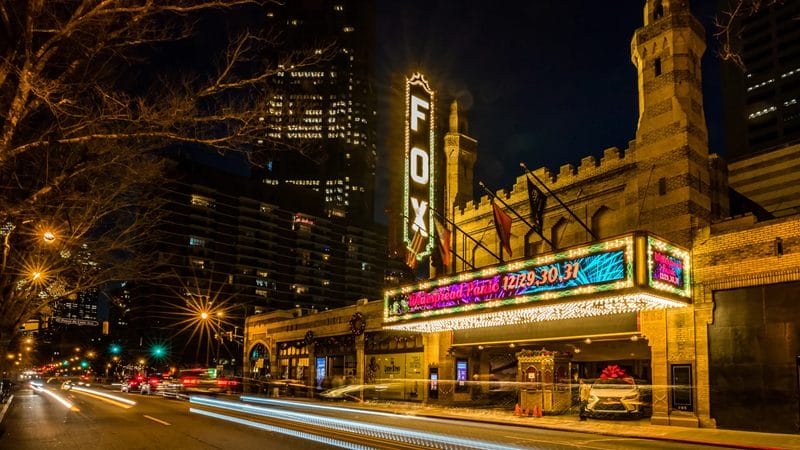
309 338
357 324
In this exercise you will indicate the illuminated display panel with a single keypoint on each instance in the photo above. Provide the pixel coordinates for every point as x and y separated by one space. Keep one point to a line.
418 191
631 273
594 268
668 267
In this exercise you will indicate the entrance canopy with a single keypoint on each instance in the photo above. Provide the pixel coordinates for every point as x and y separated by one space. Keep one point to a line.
629 273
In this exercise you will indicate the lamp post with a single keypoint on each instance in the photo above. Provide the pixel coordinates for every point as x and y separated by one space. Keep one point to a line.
204 317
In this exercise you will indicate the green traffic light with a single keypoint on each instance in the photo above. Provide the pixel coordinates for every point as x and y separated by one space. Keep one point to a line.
115 349
158 351
84 364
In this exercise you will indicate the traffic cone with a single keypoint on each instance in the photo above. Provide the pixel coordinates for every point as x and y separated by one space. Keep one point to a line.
517 410
538 411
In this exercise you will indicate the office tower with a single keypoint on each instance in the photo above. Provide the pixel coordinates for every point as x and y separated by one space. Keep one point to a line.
232 241
325 113
761 101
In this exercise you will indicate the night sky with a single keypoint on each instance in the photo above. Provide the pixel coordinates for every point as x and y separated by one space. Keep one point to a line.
543 82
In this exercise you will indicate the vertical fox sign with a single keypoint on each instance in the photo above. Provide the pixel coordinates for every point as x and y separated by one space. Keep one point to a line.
418 192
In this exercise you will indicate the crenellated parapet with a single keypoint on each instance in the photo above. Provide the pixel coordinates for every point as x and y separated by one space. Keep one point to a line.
568 175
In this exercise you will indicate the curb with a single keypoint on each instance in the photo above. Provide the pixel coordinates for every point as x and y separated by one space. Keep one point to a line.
600 432
5 407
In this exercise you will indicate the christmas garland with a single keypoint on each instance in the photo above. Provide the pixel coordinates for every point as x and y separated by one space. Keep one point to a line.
357 324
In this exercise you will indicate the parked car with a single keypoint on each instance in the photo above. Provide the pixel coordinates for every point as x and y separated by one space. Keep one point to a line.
614 397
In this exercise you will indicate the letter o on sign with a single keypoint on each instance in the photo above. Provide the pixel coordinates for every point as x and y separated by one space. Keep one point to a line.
419 166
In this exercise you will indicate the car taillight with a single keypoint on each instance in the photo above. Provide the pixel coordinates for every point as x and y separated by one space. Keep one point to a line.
185 381
222 382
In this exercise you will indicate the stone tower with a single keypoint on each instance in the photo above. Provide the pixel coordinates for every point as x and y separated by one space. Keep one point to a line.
671 146
461 153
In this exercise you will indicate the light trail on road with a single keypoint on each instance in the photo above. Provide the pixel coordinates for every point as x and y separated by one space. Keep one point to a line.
286 431
58 398
108 398
387 433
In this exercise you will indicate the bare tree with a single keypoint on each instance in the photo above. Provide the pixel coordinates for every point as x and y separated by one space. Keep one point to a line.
83 121
728 25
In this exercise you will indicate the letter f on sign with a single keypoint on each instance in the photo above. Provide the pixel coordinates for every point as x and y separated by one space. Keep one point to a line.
416 114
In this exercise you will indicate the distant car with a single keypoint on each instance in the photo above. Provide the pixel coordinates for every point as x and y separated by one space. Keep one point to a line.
132 384
149 385
67 385
614 397
201 381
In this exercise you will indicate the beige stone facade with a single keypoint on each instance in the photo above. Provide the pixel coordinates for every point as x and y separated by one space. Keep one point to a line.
665 183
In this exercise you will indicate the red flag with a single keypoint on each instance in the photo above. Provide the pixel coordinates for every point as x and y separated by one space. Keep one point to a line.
413 249
443 235
502 224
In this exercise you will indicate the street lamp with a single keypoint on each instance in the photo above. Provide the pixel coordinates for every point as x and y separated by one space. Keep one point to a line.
204 317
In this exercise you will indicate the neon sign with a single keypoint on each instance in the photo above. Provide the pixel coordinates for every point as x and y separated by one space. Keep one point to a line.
668 267
632 272
598 267
418 192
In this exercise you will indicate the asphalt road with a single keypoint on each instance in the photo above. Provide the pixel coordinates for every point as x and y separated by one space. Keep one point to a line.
39 420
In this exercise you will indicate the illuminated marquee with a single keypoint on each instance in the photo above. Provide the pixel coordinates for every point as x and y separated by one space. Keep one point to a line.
619 275
668 267
418 193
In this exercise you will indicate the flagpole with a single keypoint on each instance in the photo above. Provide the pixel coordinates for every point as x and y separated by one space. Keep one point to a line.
450 222
493 196
591 233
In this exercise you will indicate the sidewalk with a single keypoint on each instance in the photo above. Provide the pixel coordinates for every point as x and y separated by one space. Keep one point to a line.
627 428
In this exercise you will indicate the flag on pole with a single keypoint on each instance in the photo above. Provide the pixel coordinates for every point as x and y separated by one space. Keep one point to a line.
537 201
443 239
502 224
417 242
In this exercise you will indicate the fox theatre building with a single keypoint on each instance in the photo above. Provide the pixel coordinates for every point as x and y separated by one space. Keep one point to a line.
532 331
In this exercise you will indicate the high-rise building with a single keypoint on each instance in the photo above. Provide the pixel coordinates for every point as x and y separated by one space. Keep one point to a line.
761 101
238 242
761 104
325 112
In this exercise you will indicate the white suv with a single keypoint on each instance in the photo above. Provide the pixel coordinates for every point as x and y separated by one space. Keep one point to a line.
614 396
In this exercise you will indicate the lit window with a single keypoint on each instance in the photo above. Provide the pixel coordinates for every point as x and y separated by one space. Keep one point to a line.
197 263
199 200
195 241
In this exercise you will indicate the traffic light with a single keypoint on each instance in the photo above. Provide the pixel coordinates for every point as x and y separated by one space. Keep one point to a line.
115 349
158 351
84 364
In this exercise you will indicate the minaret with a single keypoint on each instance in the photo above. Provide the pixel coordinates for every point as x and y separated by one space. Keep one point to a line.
671 145
460 151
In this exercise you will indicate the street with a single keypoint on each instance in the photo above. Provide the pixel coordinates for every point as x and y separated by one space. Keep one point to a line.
98 417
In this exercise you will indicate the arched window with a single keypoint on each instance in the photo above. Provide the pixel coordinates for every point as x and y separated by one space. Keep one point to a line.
658 10
533 244
603 223
557 233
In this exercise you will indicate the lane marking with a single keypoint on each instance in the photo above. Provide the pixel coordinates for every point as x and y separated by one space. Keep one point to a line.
157 420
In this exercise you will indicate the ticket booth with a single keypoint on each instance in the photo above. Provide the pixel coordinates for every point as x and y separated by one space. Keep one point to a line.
545 381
